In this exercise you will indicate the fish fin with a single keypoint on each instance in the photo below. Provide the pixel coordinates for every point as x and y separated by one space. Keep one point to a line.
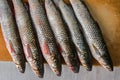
96 50
11 48
28 52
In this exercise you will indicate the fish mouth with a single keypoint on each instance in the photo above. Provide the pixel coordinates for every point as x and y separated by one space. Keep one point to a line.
86 64
107 64
72 64
88 68
55 64
20 67
75 69
38 73
38 70
58 73
56 69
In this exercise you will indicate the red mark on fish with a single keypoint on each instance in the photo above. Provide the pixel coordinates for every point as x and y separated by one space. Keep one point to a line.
12 51
45 48
28 51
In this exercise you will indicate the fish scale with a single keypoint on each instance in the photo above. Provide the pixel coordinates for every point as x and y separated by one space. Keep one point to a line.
29 41
92 34
64 41
45 35
11 35
76 34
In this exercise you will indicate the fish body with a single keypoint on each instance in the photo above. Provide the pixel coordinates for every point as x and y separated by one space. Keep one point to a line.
77 36
29 41
45 35
65 43
93 34
11 35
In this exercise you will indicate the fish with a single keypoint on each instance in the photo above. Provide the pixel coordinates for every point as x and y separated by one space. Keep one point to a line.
11 36
29 41
93 34
77 36
45 35
62 36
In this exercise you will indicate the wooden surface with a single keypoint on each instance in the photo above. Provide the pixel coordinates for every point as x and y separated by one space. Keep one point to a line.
107 14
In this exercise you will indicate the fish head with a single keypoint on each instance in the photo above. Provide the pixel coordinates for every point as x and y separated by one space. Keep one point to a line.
103 57
55 64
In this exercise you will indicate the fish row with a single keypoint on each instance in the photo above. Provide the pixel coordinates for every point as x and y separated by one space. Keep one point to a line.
53 30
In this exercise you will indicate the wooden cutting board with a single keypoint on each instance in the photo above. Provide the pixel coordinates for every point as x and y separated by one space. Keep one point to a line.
107 14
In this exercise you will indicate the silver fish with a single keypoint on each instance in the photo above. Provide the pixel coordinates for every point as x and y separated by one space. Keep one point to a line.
11 35
61 34
93 34
77 36
29 41
45 35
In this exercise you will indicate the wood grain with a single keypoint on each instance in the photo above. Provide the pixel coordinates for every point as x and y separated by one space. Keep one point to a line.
107 14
